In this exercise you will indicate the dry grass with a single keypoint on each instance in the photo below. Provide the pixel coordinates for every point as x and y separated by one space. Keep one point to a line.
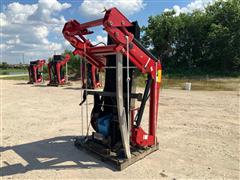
15 78
204 84
215 84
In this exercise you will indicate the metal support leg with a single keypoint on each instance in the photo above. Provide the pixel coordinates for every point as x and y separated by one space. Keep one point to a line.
42 75
66 77
81 96
128 90
121 111
86 88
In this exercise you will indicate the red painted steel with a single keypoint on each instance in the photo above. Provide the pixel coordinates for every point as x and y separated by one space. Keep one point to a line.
58 68
95 83
115 23
39 64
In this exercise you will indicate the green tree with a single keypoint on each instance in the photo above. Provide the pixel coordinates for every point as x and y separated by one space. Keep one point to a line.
199 42
73 64
4 65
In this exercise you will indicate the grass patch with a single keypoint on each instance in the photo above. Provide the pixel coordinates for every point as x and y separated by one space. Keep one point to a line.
13 71
203 84
15 78
198 83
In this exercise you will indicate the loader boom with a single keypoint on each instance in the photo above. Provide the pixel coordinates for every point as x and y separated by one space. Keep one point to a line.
116 24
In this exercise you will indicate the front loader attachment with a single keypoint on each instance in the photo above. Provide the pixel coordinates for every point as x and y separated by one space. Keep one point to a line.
35 71
118 136
56 71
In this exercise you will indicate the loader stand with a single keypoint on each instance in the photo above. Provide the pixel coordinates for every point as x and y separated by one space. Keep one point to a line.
92 79
115 159
117 136
55 69
35 71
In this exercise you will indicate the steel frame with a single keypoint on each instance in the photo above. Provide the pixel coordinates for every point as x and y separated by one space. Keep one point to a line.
115 24
60 81
36 66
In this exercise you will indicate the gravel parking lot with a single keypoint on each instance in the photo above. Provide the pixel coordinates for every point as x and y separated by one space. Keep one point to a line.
198 132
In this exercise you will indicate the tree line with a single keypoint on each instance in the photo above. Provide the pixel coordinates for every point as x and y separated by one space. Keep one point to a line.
197 43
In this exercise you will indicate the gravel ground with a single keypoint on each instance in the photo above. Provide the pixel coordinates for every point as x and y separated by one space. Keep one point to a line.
198 132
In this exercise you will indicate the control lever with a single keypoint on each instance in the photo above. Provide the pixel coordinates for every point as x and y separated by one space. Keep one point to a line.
84 97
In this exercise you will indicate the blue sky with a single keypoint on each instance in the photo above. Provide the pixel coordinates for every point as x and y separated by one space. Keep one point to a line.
32 28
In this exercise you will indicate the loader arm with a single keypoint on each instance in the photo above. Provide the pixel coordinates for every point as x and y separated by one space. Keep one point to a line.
115 24
54 69
33 69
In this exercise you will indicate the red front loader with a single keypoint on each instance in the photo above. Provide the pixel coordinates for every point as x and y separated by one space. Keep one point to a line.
35 71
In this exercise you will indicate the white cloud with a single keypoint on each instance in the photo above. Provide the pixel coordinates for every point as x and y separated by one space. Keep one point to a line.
66 43
95 8
5 46
15 40
177 9
46 9
28 27
18 13
57 29
3 20
53 4
53 46
193 6
40 31
99 39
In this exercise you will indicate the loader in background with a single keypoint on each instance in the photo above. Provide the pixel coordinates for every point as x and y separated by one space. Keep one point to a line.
35 71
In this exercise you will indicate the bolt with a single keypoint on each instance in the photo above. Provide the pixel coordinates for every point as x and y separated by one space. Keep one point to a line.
110 23
116 34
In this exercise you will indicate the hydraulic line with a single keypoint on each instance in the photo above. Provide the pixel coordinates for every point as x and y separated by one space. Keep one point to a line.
144 49
145 98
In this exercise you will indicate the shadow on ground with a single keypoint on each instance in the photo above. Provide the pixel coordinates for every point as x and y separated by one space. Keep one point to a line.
73 88
22 84
32 85
54 153
41 85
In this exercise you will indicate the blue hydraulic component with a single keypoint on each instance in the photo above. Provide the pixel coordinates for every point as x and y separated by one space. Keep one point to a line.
103 124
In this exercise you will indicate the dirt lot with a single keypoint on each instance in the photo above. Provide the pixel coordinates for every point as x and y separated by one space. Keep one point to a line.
198 133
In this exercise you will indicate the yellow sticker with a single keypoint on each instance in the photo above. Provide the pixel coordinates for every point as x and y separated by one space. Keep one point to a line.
159 76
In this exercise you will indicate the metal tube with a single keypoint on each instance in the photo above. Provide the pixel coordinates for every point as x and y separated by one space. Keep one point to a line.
112 67
105 54
153 106
144 101
66 80
81 64
156 98
102 49
42 74
128 80
152 112
86 86
86 25
121 110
